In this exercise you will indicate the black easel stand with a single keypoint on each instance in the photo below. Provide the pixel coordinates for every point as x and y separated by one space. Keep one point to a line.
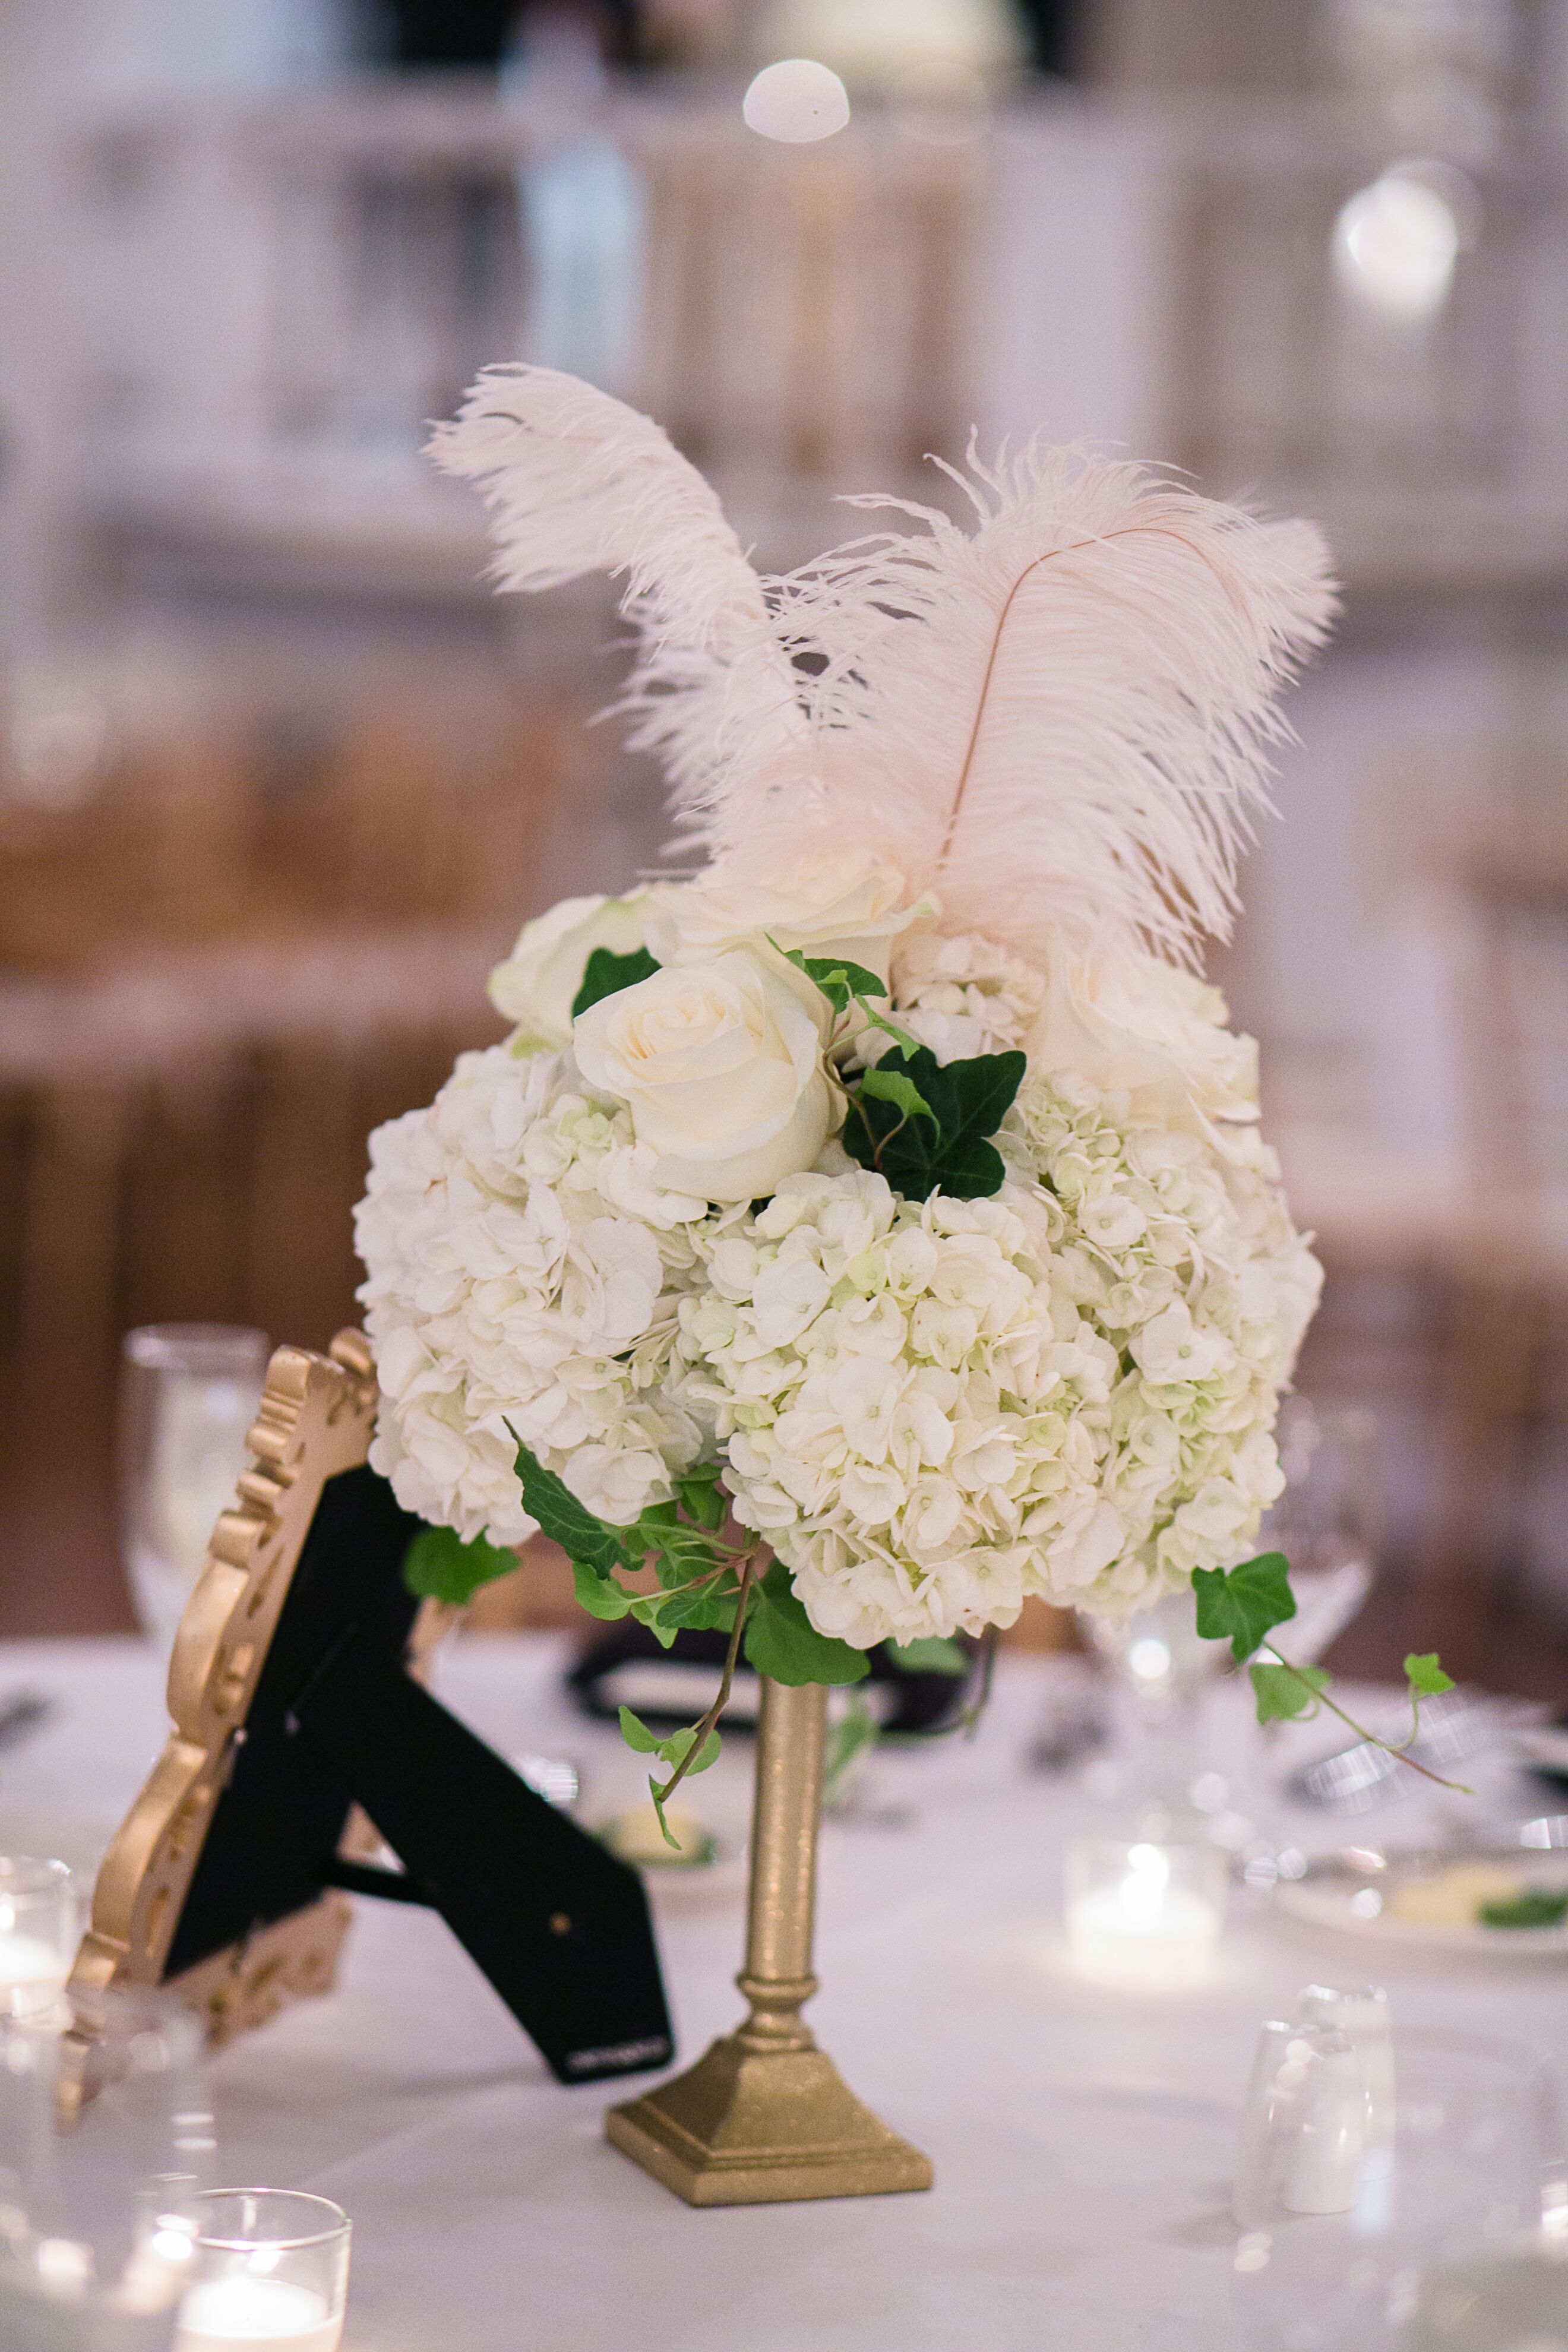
557 1924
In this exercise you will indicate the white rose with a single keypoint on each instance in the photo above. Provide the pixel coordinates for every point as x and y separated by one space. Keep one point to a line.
1131 1022
720 1066
845 904
536 984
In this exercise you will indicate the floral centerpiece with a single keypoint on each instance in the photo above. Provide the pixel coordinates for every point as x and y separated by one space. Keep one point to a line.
871 1229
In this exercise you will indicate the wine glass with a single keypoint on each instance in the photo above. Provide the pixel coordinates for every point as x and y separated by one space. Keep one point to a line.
1160 1667
1328 1522
188 1396
105 2134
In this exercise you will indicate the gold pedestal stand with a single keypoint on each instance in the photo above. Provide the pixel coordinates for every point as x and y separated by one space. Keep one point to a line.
765 2118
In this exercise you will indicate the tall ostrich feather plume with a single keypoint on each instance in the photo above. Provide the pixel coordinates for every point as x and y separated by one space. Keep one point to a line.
1058 720
577 482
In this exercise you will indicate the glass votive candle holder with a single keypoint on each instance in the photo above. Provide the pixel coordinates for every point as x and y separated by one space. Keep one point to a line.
271 2267
37 1939
1143 1914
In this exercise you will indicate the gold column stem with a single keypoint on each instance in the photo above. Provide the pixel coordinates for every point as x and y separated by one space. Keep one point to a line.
792 1733
765 2116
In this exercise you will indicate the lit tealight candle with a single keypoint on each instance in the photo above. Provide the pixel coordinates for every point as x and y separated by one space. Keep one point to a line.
243 2309
796 100
1148 1915
271 2268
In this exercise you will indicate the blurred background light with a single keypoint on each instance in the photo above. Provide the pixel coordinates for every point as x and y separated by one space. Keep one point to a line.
875 43
1395 244
797 100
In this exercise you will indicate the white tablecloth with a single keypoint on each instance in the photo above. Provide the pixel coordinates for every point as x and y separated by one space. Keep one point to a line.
1082 2137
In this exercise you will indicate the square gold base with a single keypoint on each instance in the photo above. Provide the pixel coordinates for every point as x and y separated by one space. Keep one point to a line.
745 2126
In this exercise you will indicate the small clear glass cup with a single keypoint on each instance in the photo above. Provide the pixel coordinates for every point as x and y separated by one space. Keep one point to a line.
1143 1914
38 1928
105 2134
1304 2128
1354 2212
271 2268
188 1396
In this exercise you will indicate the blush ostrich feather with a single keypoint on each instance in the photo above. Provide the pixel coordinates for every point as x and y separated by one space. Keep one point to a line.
577 482
1059 721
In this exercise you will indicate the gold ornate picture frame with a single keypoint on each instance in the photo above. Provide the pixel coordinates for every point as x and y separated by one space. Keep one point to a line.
300 1716
316 1417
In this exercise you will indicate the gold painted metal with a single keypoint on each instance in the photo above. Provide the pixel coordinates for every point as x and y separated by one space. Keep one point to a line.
765 2118
316 1417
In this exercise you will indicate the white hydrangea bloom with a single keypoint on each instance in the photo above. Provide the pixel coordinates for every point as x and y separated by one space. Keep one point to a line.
929 1409
523 1269
961 996
933 1409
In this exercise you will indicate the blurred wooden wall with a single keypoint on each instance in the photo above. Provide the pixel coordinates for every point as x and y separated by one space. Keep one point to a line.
246 948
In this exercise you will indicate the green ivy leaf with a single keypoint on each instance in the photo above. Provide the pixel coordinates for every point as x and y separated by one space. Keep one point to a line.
439 1565
702 1498
606 973
1242 1605
969 1170
928 1655
1285 1691
713 1611
648 1608
678 1747
888 1085
1425 1676
600 1596
589 1542
781 1643
899 1036
636 1734
836 977
949 1152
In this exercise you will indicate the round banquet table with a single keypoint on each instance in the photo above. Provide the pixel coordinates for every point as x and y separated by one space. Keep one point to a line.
1082 2136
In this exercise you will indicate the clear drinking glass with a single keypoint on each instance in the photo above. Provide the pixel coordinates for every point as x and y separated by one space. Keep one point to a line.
271 2267
105 2133
188 1395
1354 2210
37 1937
1161 1669
1328 1522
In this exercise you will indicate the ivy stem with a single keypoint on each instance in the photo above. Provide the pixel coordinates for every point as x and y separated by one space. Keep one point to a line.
871 1132
701 1735
1389 1747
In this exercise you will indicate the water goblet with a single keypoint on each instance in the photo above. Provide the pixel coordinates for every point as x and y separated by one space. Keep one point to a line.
1328 1522
188 1395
